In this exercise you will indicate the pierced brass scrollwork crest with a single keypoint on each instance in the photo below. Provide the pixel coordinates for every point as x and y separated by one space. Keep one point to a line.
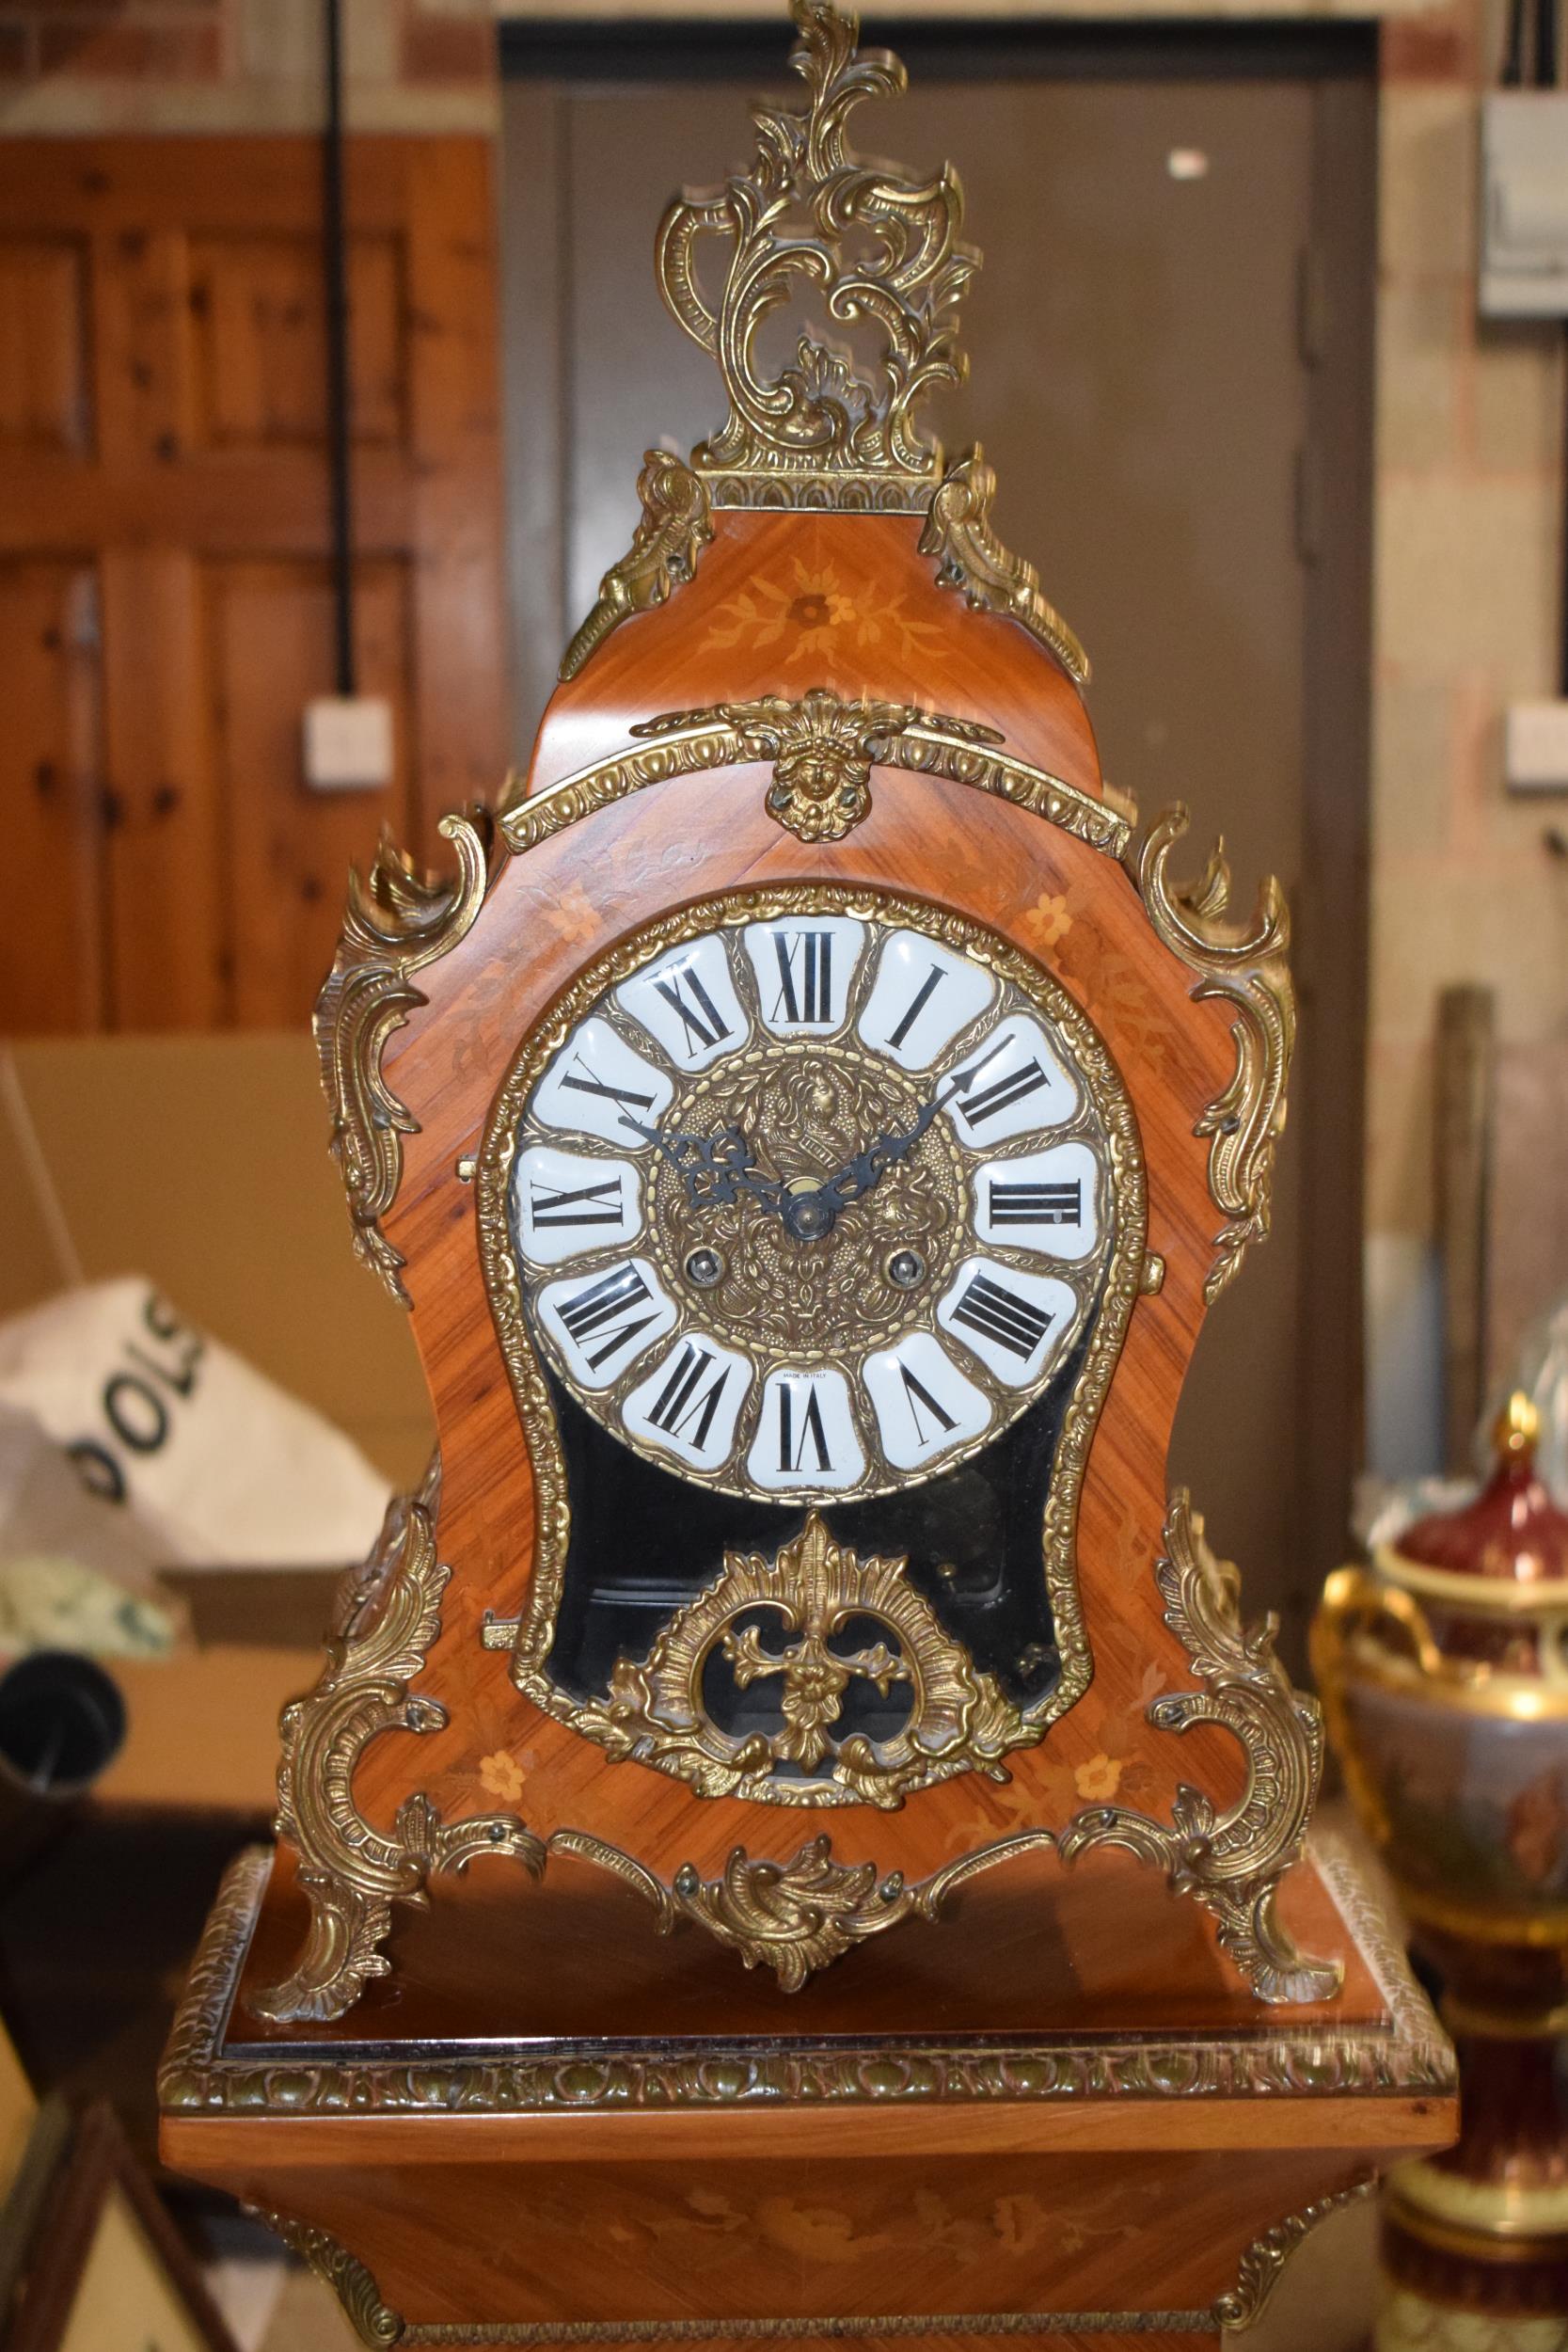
876 247
776 1618
872 250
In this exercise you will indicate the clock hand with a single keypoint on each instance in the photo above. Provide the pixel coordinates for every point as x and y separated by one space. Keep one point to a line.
857 1176
715 1169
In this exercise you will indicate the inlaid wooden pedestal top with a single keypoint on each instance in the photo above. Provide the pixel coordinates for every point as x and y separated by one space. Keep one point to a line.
551 2122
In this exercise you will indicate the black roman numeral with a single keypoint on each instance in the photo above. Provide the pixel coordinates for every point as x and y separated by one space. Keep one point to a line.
793 1443
579 1074
918 1395
805 976
586 1204
1001 1092
683 1400
600 1314
1037 1204
1000 1315
705 1024
917 1005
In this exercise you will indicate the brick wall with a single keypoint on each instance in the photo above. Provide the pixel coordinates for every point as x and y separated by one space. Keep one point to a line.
80 65
1469 505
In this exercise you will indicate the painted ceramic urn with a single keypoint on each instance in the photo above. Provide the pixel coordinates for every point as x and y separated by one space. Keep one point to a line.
1444 1671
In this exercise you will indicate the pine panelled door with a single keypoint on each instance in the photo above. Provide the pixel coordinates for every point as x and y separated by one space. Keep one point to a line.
164 588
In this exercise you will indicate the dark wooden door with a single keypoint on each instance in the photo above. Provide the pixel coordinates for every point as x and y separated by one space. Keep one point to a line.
165 597
1170 325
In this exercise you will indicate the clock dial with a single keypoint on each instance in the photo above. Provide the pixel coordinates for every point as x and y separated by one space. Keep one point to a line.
691 1405
686 1003
810 1207
1046 1202
601 1323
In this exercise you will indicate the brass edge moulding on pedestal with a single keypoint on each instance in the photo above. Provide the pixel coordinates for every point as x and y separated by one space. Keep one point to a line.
1239 2308
829 431
396 924
531 1637
1233 1863
196 2078
1429 2051
1247 972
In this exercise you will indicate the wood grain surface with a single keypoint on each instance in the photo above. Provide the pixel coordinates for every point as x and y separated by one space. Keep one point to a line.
685 841
392 2130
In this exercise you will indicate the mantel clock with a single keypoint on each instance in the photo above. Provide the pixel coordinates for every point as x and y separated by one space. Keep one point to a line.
807 1130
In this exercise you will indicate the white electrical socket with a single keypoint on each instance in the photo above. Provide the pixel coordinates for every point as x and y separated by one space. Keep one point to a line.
1524 221
1535 747
348 742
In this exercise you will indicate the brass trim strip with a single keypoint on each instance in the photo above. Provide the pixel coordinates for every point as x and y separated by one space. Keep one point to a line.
684 744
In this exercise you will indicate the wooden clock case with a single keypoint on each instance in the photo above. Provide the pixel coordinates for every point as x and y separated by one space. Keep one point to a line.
817 669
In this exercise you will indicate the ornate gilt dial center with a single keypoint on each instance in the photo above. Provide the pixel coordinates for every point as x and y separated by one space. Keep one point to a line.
788 1291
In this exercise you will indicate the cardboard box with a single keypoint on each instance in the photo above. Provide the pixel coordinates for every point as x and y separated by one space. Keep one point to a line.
201 1162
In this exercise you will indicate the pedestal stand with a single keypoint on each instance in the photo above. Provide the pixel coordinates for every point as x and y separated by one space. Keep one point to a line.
1064 2115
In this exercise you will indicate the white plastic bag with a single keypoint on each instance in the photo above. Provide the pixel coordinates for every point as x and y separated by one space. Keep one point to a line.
221 1466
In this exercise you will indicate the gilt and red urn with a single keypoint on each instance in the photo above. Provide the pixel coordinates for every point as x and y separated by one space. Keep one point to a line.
1443 1671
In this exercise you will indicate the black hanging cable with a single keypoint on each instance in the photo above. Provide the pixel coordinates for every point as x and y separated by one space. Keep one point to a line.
1545 44
1513 54
335 277
1562 614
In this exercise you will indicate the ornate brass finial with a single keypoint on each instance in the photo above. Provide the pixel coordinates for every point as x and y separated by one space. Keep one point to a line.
866 247
1518 1429
873 246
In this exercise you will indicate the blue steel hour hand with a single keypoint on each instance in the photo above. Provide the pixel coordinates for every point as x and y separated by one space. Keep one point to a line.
715 1169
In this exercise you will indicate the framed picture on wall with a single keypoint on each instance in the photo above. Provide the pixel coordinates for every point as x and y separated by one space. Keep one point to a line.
102 2269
